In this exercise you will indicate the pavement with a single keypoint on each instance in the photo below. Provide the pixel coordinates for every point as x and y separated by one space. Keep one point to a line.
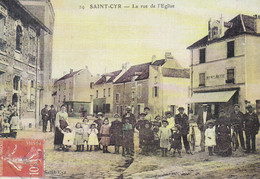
98 165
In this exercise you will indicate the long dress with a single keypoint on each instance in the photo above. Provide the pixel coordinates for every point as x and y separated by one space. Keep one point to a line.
164 135
78 139
93 138
85 127
105 135
116 133
223 142
176 141
60 123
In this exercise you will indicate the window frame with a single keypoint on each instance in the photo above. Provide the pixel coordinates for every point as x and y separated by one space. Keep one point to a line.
202 51
202 84
231 52
230 80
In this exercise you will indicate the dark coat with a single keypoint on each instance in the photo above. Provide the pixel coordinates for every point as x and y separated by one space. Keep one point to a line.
128 135
52 114
237 119
251 123
140 124
116 133
176 141
223 140
200 124
131 119
44 113
99 123
147 136
183 121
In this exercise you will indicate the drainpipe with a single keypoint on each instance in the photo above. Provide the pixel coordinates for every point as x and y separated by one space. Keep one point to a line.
36 85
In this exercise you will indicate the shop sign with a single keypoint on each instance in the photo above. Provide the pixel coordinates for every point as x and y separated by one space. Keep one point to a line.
220 76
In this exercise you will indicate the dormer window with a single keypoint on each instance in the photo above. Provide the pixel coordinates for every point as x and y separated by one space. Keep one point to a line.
215 32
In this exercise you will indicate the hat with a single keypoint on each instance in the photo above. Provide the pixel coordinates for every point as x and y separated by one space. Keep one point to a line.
128 107
142 114
249 107
116 115
146 108
52 106
157 116
165 121
168 112
181 108
93 124
99 114
236 105
46 105
211 121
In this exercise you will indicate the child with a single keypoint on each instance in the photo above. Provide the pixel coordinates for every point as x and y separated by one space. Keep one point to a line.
93 138
78 139
176 140
127 137
164 135
14 123
116 133
85 127
68 139
156 126
6 128
147 137
105 135
210 137
140 126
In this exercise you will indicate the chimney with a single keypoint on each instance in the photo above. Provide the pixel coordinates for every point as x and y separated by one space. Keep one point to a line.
257 23
71 70
168 56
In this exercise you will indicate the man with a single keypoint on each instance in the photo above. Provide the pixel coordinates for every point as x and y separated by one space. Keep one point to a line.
44 113
203 117
52 116
251 128
169 119
131 118
237 118
183 120
148 115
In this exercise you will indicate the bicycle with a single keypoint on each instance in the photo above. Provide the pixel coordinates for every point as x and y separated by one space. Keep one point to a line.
234 139
192 140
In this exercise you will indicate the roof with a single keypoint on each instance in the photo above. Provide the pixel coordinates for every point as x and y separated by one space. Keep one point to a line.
69 75
15 4
242 24
177 73
159 62
141 71
112 76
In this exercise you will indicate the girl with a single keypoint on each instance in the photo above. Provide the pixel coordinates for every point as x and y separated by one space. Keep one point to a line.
156 126
68 139
93 138
147 137
105 135
6 128
164 135
14 123
176 140
116 133
210 137
78 139
140 127
85 127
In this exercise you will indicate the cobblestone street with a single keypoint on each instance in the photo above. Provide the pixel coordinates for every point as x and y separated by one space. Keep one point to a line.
98 165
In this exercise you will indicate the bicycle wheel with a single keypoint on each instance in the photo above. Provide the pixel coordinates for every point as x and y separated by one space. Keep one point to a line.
234 142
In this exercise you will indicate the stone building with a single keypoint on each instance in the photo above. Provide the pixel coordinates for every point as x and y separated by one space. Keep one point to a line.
225 65
161 85
19 58
74 90
43 10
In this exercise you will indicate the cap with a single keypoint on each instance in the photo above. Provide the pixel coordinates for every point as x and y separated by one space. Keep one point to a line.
99 114
116 115
181 108
168 112
146 108
165 121
142 114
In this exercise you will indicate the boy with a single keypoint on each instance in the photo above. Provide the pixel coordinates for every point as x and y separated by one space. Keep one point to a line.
176 140
128 136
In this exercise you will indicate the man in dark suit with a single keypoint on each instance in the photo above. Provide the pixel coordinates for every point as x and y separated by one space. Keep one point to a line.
45 115
251 128
183 120
203 117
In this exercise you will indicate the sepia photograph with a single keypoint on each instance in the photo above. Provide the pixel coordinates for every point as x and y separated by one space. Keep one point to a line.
129 89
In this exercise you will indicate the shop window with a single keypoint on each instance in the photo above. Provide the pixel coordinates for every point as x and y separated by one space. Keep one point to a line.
202 79
230 49
230 76
19 38
203 55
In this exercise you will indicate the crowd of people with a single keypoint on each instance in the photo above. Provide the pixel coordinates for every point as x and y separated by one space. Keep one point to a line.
156 133
9 121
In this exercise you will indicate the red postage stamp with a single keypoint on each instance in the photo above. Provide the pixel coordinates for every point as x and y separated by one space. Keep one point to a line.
22 158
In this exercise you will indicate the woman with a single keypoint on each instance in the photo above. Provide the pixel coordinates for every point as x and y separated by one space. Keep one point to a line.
61 123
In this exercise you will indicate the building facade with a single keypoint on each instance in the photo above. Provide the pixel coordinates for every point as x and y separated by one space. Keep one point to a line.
225 65
43 10
19 58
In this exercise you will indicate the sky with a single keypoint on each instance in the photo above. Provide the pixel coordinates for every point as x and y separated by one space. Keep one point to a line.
104 39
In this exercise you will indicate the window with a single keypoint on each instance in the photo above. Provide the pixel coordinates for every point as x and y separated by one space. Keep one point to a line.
104 93
156 91
202 55
91 85
32 84
16 82
107 108
230 76
155 79
109 91
139 91
64 86
202 79
117 98
133 95
2 32
230 49
117 109
97 94
18 38
215 32
64 98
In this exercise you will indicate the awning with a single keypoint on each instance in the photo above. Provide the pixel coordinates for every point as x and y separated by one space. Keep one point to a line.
212 97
